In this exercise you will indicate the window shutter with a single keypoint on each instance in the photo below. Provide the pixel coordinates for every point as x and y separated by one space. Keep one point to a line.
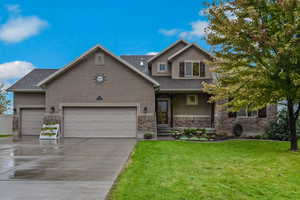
232 114
262 113
202 69
181 69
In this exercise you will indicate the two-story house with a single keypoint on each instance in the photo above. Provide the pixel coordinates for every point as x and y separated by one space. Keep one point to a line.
102 95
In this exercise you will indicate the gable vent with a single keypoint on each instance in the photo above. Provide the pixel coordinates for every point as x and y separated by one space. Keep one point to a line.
99 59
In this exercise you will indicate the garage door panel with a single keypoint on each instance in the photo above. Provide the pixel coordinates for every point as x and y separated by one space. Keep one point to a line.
100 122
31 121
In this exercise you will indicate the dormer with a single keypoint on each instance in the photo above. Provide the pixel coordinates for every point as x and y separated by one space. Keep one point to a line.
159 64
191 63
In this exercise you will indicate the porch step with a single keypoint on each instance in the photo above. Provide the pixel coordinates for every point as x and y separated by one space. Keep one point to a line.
164 131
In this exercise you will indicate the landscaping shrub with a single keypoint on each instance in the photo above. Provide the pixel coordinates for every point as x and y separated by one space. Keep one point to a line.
190 131
148 136
176 134
195 134
279 130
258 137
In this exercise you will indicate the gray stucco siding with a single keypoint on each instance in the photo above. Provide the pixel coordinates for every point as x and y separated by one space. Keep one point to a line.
180 106
21 98
164 59
190 54
121 85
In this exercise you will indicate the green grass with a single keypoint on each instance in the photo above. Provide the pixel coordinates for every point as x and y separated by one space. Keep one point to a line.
231 170
1 136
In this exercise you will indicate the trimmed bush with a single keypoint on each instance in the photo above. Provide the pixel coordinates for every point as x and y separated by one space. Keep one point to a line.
190 131
258 137
176 134
148 136
279 129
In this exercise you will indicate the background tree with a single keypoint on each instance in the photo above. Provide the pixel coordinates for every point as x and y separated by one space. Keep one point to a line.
3 101
257 46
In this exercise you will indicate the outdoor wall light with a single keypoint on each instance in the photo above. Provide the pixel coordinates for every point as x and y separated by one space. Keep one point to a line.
99 98
145 109
52 109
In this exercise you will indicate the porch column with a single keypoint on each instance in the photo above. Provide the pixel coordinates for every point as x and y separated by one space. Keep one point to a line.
212 116
171 110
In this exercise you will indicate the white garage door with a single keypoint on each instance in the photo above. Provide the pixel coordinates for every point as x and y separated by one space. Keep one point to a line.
100 122
31 121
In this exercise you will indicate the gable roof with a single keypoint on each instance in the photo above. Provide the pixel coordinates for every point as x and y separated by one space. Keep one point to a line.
29 81
188 47
70 65
136 60
165 50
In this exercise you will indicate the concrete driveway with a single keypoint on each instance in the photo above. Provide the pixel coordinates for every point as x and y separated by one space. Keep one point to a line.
73 168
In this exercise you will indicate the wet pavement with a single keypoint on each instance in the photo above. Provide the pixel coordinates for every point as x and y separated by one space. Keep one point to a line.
72 168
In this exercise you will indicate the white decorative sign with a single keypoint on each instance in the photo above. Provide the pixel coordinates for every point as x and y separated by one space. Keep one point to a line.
49 132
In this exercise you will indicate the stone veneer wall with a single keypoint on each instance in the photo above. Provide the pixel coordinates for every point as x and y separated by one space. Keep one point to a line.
147 123
251 125
195 122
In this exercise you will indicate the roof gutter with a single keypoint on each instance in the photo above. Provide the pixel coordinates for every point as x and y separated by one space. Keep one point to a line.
26 90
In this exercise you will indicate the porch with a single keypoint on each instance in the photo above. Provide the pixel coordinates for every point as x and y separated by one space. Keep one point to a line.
183 110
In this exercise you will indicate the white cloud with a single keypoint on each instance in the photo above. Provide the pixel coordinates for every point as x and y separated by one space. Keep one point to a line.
18 28
152 53
169 32
198 30
14 70
13 8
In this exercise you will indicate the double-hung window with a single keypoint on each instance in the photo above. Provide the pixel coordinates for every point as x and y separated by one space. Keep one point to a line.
192 69
162 67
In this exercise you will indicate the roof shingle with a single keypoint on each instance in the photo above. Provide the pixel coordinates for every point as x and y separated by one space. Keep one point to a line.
138 61
30 80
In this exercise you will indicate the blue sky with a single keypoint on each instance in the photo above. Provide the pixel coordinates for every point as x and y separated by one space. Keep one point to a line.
50 34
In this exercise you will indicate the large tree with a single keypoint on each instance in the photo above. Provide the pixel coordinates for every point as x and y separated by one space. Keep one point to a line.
257 48
3 101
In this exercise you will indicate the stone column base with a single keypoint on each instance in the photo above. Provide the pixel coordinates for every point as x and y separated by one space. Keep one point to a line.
146 123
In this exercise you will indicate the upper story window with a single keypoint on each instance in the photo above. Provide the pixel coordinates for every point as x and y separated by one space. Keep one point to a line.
192 69
162 67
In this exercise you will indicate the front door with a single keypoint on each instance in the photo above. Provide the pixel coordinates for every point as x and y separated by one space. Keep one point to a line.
162 112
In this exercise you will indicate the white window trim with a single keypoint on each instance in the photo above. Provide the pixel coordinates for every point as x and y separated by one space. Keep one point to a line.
196 100
158 67
191 61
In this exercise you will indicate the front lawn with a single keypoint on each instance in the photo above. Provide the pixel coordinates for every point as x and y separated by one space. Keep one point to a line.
2 136
242 170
